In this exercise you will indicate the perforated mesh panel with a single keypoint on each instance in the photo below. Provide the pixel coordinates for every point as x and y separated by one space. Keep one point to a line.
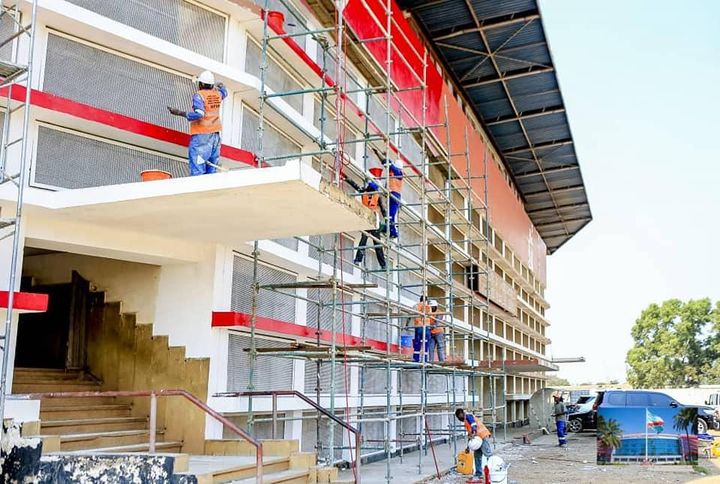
327 242
374 380
275 76
376 327
373 431
183 23
437 383
410 382
118 84
7 29
271 372
311 371
274 143
271 304
289 242
261 430
309 435
407 429
69 160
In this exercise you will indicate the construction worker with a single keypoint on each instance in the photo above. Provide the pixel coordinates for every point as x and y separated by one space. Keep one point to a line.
371 199
205 125
422 330
475 428
395 185
560 414
437 333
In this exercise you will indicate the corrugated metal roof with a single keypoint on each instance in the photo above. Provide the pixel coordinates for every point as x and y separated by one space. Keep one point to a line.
497 52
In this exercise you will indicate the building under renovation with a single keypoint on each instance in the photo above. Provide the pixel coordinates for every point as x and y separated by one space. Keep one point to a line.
242 288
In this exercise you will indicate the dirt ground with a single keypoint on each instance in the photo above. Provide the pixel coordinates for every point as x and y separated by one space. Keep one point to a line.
544 462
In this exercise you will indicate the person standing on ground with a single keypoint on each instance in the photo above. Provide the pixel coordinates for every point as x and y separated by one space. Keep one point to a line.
371 199
560 414
437 333
475 428
395 184
205 125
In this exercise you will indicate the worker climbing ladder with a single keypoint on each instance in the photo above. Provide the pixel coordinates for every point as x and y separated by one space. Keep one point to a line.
16 74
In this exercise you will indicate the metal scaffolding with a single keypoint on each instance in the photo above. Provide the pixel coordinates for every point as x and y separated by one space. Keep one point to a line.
16 73
442 253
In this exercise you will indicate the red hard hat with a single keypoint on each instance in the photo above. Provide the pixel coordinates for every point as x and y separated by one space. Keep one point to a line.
376 172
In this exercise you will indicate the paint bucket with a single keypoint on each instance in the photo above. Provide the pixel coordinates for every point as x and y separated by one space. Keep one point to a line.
152 175
276 21
465 463
376 172
406 344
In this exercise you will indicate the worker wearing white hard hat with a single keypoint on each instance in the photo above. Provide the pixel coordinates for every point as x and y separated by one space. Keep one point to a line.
205 125
436 339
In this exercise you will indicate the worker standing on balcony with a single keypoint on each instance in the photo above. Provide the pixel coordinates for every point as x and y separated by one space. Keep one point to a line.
437 333
205 125
371 199
395 185
475 428
422 330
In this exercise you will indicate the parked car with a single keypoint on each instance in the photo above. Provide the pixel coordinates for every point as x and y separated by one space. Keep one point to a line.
573 407
583 417
645 398
714 401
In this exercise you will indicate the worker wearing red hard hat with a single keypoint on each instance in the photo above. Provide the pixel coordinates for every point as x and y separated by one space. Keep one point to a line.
371 198
205 125
395 185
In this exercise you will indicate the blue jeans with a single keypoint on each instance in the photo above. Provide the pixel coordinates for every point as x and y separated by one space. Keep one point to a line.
560 426
484 450
204 153
437 340
418 342
394 209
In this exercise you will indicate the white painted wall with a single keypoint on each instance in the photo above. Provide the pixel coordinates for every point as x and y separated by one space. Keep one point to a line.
134 284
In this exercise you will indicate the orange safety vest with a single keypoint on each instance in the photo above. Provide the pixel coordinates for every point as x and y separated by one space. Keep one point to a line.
395 184
435 328
422 308
371 200
482 431
210 123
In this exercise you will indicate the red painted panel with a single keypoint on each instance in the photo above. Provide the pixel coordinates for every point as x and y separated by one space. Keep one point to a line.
90 113
25 301
229 319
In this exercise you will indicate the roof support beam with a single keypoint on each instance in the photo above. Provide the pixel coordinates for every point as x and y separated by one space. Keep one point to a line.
525 115
547 171
539 211
530 71
539 146
562 222
550 192
490 24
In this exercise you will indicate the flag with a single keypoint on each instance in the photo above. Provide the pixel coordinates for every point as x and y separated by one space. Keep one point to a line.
654 422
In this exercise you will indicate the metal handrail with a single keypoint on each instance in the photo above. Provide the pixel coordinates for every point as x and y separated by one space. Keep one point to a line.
153 394
294 393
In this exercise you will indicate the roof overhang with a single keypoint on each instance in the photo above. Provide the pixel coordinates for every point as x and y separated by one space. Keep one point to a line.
497 55
525 365
226 208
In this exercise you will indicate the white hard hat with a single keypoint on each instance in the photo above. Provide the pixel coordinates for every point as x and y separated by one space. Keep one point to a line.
495 463
206 77
475 443
433 303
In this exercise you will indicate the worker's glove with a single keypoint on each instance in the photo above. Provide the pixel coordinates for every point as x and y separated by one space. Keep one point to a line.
177 112
467 450
220 85
383 228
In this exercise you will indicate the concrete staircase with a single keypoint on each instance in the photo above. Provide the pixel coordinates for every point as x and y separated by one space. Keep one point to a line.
98 424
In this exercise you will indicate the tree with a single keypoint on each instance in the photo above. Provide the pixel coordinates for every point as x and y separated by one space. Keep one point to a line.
555 381
676 344
609 437
685 418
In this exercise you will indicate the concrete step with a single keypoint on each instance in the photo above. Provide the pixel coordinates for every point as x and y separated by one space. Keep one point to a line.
21 376
211 469
97 440
71 412
291 476
77 401
165 447
43 386
84 425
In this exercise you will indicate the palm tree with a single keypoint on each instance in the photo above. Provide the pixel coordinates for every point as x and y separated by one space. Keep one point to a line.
681 421
609 435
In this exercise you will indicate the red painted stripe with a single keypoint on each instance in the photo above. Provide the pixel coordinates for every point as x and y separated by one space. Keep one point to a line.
90 113
25 301
229 319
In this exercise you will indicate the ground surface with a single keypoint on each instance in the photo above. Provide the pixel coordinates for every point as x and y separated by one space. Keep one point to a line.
540 462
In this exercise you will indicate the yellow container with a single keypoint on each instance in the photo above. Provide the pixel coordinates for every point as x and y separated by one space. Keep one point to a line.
715 449
465 461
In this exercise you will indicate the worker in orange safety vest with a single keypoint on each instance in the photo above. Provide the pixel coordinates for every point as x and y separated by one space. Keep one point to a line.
205 125
395 186
371 199
422 329
475 428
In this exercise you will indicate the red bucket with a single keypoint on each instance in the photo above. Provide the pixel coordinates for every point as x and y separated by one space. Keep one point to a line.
152 175
376 172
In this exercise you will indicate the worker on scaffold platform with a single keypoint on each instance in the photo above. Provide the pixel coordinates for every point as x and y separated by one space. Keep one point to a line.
395 185
371 198
205 125
422 330
437 333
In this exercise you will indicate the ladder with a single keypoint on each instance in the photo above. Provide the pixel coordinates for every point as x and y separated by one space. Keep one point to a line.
16 62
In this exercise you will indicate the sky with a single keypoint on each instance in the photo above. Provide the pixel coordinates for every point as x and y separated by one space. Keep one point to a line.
641 83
